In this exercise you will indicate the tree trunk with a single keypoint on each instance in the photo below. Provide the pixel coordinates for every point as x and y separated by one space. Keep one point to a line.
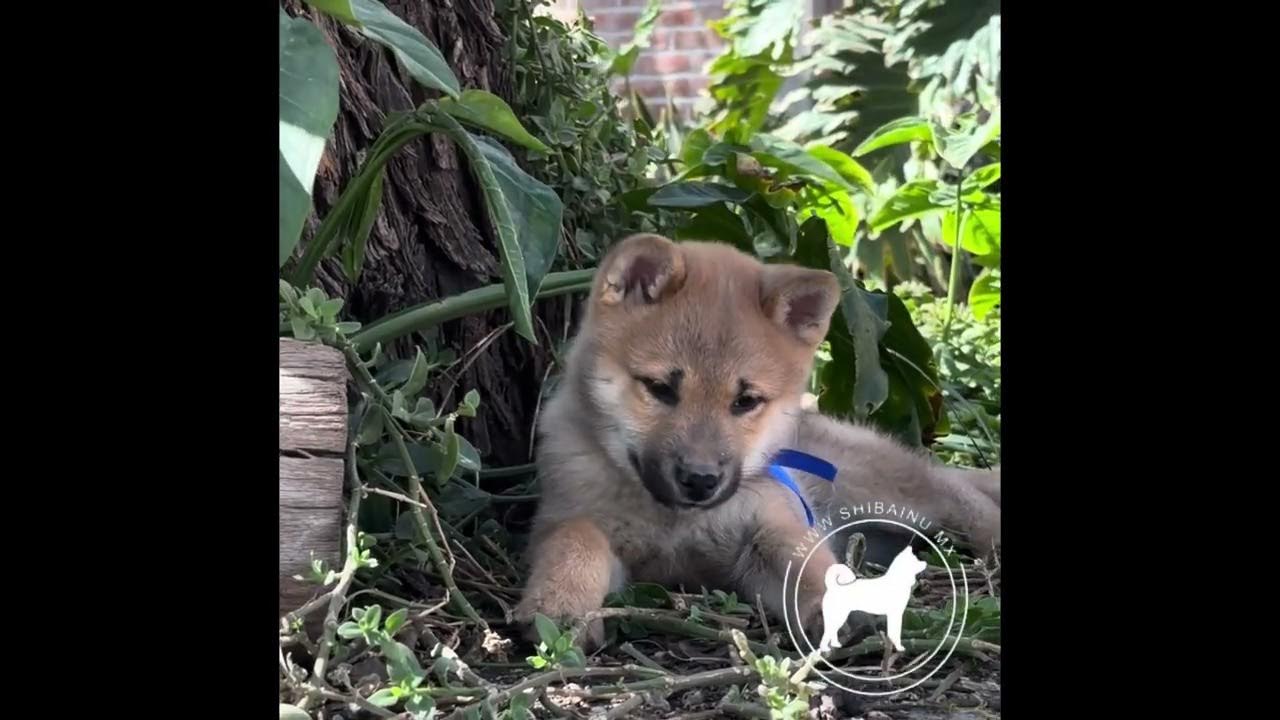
432 238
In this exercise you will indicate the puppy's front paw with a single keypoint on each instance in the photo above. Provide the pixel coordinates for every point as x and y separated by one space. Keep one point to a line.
588 637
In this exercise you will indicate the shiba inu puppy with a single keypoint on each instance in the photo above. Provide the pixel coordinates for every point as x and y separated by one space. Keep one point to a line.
886 595
685 379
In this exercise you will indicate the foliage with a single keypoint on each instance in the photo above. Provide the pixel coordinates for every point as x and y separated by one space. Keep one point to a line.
562 77
524 213
555 647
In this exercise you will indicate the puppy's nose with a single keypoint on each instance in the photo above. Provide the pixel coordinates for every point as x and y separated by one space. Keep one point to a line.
698 481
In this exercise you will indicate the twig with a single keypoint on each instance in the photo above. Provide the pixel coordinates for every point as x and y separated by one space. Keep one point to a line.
946 684
623 709
501 697
671 683
764 620
640 657
966 646
348 574
433 549
555 709
746 710
662 620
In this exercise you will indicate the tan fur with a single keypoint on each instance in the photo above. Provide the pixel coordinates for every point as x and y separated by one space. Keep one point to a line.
720 317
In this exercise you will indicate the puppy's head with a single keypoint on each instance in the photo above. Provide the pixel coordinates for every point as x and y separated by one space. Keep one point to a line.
698 359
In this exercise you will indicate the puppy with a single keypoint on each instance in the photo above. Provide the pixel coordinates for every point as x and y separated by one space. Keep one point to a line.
886 595
686 377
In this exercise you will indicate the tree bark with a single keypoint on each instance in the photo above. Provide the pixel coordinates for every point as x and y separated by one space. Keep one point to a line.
432 238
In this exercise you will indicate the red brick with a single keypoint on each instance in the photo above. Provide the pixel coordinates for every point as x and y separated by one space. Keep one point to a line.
676 87
661 63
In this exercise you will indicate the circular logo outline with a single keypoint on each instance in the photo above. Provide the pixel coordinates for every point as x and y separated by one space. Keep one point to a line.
955 601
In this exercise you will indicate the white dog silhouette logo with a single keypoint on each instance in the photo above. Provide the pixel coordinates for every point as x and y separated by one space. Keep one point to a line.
886 595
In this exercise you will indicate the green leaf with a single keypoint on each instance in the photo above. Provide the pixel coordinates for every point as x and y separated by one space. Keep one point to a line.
896 132
357 233
417 376
917 198
459 499
695 146
848 168
547 630
472 399
792 159
420 703
965 138
329 309
695 195
981 232
384 698
426 458
451 453
981 178
514 277
302 329
396 620
372 616
535 208
856 330
308 109
402 664
468 456
717 222
984 294
349 631
536 661
489 112
418 55
573 657
837 209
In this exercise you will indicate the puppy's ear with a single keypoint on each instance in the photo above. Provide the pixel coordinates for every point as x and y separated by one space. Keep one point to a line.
642 269
800 300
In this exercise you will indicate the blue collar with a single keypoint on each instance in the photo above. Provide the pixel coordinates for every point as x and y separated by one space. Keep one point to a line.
803 462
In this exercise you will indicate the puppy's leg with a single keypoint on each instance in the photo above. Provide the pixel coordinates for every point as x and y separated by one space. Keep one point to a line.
762 569
572 570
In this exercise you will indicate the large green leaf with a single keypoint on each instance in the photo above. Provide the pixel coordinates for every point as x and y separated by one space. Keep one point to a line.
418 55
848 168
490 112
695 195
984 295
717 222
514 277
896 132
915 199
308 109
854 384
835 207
535 209
965 137
792 159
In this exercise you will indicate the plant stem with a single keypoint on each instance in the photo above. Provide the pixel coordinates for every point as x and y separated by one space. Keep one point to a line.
349 567
433 548
956 252
322 242
490 297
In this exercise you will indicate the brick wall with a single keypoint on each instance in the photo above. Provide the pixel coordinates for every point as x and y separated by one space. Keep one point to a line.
679 49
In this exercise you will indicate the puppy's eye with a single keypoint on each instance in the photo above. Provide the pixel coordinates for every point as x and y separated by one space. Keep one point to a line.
660 391
744 404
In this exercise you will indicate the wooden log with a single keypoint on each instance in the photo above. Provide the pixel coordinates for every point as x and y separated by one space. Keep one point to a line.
313 436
